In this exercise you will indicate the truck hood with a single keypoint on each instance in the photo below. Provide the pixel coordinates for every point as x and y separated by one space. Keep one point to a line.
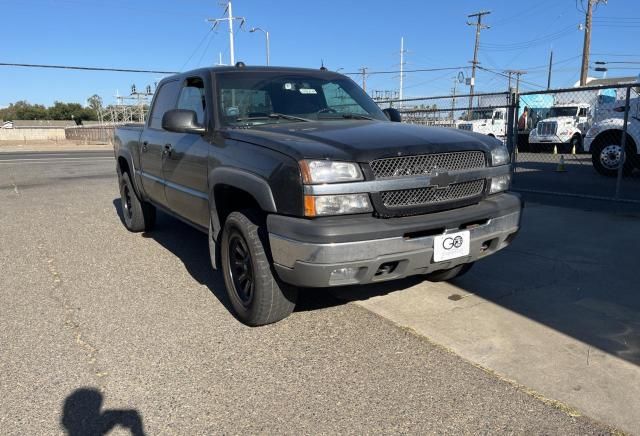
477 122
560 120
359 140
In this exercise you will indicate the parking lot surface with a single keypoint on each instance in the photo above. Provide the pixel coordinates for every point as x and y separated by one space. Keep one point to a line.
100 327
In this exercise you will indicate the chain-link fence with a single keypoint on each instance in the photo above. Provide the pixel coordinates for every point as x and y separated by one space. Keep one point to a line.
581 142
573 142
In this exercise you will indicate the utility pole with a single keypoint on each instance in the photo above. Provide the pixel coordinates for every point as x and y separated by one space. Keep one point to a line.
363 71
230 18
517 73
550 65
453 98
586 48
474 63
402 52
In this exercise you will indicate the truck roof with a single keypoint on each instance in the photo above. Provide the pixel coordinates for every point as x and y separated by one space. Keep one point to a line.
571 105
253 69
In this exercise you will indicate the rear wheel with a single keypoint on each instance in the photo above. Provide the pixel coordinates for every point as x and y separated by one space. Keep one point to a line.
137 215
257 297
449 274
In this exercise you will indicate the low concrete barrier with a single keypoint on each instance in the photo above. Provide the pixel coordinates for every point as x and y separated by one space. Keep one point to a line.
33 134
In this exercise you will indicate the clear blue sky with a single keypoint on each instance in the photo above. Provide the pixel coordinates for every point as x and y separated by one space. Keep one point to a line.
163 34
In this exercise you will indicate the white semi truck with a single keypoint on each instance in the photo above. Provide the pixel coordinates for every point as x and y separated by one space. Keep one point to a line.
564 127
604 139
491 122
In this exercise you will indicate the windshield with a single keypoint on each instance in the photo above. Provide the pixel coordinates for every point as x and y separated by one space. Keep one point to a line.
482 114
569 111
254 98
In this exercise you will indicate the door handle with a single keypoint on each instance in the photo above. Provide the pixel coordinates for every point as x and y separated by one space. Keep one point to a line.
168 148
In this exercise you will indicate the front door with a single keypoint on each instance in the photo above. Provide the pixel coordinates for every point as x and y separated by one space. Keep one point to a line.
185 164
153 142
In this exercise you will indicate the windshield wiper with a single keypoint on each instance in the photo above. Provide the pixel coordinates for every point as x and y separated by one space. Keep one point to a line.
274 115
348 116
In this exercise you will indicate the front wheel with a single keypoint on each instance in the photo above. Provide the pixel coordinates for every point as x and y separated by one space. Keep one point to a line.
575 144
606 157
256 296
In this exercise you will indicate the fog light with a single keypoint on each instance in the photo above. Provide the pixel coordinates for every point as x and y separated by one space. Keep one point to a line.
340 275
500 183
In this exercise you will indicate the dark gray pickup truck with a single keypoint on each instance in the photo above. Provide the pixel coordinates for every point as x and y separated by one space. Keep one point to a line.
300 180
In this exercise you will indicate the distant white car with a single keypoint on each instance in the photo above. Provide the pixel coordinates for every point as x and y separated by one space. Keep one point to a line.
604 139
565 127
491 122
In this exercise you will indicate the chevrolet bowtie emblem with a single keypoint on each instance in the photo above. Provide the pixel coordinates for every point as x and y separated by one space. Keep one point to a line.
441 179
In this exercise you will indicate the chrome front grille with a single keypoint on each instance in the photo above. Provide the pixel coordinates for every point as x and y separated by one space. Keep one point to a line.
432 195
466 126
407 166
546 128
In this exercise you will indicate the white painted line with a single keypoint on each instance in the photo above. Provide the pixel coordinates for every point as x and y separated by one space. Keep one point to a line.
27 160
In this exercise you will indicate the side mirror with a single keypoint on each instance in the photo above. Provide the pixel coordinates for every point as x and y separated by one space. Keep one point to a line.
182 121
393 114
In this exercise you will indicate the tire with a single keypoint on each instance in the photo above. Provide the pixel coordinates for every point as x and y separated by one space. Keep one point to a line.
449 274
576 141
256 296
604 153
137 215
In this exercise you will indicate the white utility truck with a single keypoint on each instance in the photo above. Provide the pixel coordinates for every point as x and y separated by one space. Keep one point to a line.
564 127
491 122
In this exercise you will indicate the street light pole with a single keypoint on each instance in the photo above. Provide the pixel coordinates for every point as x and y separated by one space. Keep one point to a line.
266 34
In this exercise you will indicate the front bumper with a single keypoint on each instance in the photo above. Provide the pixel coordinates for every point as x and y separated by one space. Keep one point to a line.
549 139
306 252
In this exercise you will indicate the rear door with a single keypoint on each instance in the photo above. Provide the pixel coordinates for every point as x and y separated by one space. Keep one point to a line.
185 166
153 142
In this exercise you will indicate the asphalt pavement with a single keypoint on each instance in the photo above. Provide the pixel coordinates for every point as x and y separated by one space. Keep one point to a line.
101 327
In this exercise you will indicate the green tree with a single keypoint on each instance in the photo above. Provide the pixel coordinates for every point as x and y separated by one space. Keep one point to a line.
95 103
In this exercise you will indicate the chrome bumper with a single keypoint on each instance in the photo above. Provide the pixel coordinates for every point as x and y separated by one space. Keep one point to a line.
311 264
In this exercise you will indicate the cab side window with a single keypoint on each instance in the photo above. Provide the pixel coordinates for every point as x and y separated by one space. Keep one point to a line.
165 100
583 112
192 98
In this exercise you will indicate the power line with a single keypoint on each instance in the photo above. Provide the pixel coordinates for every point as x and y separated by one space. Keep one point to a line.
419 70
73 67
506 77
197 48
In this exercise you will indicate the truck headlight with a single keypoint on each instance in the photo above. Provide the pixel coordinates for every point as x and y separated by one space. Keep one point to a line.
500 183
534 132
324 171
499 155
323 205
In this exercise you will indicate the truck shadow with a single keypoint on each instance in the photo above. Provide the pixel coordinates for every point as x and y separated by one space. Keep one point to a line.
190 246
